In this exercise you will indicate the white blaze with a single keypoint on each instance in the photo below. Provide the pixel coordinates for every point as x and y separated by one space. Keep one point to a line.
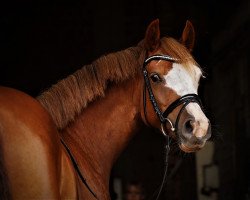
179 79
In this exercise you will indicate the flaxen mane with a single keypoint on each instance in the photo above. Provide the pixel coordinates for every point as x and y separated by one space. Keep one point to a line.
66 99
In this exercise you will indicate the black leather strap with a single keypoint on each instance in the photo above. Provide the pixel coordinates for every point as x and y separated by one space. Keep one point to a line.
152 98
84 181
182 100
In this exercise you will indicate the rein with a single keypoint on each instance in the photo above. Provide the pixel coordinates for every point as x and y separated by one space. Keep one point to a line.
163 115
84 181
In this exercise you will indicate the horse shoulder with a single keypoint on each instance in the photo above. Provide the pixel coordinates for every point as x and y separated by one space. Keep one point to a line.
31 153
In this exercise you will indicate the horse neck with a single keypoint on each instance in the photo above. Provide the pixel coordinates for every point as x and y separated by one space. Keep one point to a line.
103 130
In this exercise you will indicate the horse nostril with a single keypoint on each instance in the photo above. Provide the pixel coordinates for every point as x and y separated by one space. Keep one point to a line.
189 126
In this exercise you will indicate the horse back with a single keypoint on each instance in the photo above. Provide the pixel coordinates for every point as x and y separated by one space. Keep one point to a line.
33 163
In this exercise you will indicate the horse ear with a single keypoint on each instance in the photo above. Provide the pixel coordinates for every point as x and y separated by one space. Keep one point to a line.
152 37
188 36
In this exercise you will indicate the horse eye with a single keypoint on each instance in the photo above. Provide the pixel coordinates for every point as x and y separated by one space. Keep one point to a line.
155 78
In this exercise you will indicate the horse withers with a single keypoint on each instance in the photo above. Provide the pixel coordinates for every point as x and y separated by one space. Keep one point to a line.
63 144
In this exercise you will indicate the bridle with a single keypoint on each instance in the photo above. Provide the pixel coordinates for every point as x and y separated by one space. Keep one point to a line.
163 115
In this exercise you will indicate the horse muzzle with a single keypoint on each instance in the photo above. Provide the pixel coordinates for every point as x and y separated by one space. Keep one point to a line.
194 134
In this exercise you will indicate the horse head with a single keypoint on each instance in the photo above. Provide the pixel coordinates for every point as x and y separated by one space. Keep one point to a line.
171 76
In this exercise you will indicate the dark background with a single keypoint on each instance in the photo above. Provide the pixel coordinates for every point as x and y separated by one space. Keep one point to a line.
44 41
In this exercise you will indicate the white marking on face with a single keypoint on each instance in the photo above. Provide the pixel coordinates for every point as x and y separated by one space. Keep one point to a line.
180 80
194 110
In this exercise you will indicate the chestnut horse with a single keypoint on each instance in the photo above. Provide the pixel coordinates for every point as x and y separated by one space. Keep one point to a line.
63 144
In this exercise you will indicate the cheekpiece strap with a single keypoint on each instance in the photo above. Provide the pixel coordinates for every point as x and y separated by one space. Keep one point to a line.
147 82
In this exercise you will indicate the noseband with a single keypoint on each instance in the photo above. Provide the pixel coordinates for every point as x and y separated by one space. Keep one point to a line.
184 100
